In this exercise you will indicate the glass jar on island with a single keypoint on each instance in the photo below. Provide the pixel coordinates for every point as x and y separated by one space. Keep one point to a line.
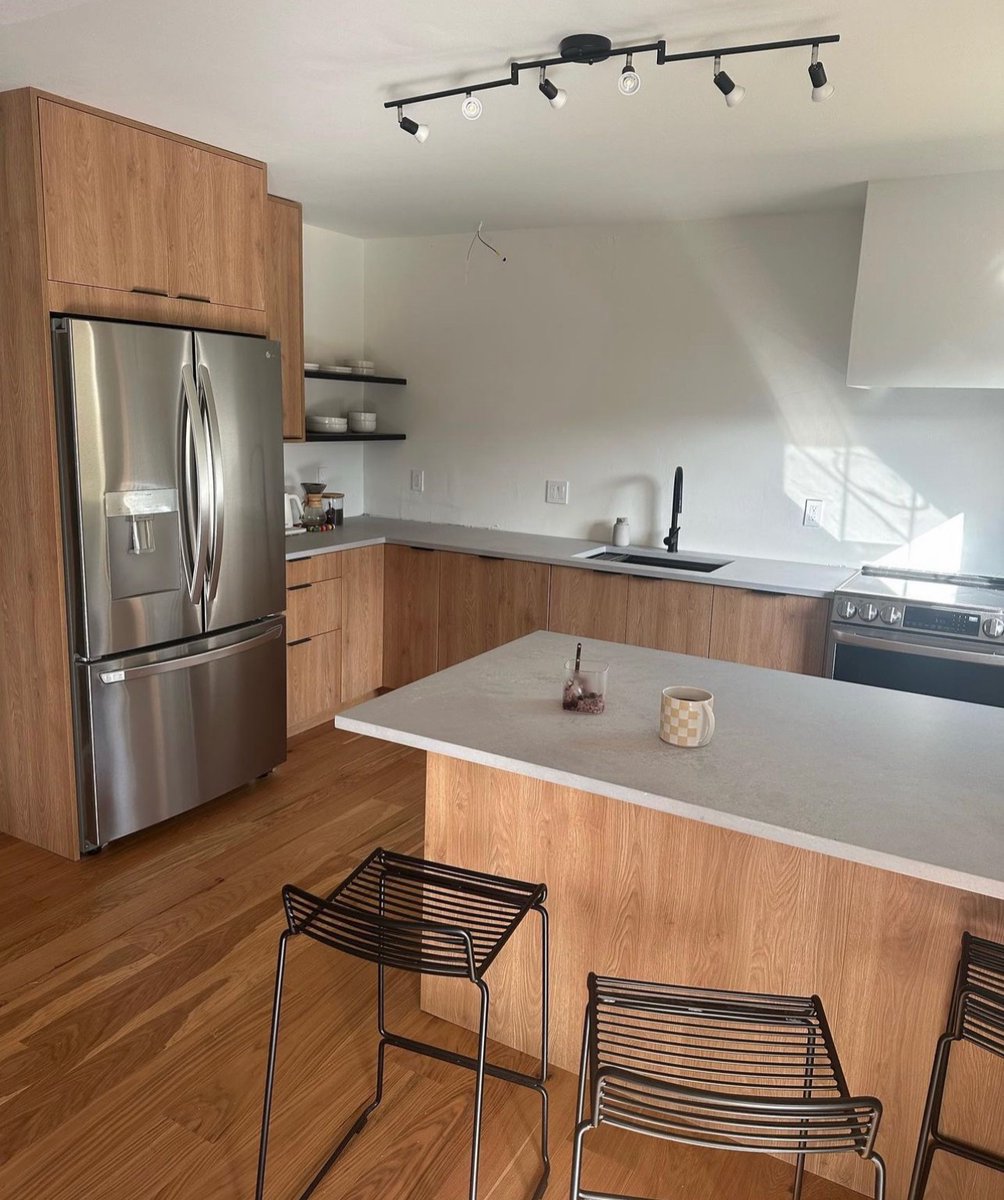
585 689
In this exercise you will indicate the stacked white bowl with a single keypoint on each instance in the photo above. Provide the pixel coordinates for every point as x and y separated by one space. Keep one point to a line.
363 422
320 423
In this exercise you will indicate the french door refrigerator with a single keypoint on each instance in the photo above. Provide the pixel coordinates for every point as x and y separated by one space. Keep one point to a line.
172 478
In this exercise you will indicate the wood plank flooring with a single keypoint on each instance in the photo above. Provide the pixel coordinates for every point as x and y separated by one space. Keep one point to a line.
135 991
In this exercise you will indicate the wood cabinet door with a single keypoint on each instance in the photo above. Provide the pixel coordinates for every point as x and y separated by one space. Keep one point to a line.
765 629
485 602
362 621
664 614
284 305
313 608
588 603
105 199
410 614
217 228
313 681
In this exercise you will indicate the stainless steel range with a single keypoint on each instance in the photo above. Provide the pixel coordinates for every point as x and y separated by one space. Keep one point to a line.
914 631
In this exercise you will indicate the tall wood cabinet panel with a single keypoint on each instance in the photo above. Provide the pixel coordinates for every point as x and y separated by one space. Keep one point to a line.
411 614
765 629
588 603
485 602
37 780
217 227
363 620
105 189
313 680
666 614
284 305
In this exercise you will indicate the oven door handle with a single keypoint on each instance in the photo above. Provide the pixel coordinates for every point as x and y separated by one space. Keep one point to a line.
988 658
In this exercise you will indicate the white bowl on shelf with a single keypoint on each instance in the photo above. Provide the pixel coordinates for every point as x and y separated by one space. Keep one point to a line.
363 422
311 366
319 423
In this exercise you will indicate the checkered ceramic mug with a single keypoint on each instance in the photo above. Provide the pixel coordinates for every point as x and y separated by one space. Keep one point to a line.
687 717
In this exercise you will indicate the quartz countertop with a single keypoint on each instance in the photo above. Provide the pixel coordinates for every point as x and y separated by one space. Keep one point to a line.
906 783
757 574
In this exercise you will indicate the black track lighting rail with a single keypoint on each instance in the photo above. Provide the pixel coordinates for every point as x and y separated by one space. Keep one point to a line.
658 48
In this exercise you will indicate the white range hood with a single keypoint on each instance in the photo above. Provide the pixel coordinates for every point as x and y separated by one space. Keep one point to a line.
929 308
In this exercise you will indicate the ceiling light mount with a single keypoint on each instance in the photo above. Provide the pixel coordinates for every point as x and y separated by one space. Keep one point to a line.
585 48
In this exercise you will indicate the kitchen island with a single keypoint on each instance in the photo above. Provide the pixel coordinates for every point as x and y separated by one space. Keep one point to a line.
831 839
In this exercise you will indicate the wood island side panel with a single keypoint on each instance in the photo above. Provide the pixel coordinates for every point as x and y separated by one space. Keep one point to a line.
640 893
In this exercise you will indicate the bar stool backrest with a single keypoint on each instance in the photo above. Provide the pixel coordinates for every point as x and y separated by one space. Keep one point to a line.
978 1008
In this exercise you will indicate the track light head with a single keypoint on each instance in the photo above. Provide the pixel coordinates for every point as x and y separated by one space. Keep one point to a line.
471 107
733 93
822 89
629 81
556 96
419 132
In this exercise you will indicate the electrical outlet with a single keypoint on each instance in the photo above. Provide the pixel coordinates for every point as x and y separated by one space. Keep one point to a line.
557 491
417 480
812 517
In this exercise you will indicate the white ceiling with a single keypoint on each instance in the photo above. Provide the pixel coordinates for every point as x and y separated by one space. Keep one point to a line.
301 84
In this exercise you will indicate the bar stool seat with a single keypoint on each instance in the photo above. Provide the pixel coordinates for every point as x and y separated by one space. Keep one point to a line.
725 1070
430 919
976 1015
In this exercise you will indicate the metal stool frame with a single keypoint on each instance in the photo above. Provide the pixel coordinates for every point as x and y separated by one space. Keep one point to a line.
431 919
728 1070
976 1015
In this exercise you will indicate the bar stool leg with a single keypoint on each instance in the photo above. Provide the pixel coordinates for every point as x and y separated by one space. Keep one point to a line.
273 1042
545 987
581 1124
580 1133
929 1124
879 1162
479 1087
796 1191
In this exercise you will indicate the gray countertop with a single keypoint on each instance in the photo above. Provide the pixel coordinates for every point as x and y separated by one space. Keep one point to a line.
758 574
907 783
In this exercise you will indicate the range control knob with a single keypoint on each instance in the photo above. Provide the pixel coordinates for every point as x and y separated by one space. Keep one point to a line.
891 614
846 609
994 627
868 612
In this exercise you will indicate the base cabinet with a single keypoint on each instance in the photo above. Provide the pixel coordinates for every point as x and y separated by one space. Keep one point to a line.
589 604
362 621
411 614
313 680
767 629
667 615
485 602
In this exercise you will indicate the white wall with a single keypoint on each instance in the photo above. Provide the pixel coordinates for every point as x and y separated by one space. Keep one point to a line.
332 331
607 355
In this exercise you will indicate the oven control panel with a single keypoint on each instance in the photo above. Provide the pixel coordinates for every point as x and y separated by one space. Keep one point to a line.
926 619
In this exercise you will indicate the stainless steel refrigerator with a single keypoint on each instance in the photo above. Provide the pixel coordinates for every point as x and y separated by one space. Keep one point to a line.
172 477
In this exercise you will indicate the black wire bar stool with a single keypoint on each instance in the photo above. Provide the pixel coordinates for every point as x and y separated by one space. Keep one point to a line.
727 1070
430 919
976 1015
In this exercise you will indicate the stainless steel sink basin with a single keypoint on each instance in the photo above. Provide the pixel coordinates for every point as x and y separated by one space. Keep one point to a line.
661 562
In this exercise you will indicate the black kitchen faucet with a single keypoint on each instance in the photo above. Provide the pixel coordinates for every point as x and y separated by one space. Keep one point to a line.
672 543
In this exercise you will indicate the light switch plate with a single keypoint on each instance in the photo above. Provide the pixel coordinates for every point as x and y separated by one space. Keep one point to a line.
812 517
557 491
417 480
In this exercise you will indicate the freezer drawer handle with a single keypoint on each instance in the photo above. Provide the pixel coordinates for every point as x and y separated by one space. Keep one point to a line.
190 660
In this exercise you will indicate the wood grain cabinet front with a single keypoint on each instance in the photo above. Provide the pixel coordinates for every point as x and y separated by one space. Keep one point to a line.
588 603
313 680
411 614
485 602
284 306
767 629
666 614
362 621
313 608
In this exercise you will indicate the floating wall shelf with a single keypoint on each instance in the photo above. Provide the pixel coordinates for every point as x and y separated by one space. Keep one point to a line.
354 437
354 377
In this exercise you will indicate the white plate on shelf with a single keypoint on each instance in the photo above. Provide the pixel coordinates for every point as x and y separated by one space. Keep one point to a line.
311 366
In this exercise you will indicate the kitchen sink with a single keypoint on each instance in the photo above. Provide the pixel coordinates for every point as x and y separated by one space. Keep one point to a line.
661 562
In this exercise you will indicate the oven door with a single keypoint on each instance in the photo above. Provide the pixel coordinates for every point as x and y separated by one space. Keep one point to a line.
945 668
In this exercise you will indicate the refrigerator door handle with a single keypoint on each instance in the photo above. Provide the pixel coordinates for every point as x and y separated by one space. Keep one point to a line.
186 661
194 431
215 451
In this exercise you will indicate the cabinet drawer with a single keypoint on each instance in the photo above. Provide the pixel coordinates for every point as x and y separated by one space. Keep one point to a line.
313 608
313 569
313 681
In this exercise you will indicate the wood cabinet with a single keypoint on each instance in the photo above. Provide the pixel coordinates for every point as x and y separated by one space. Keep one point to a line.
588 603
766 629
362 620
146 225
411 614
666 614
313 680
313 641
485 602
284 305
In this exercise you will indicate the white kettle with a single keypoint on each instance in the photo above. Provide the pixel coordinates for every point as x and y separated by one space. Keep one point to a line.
294 510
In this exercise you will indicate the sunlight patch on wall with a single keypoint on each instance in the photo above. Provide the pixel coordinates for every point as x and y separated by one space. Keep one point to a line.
871 505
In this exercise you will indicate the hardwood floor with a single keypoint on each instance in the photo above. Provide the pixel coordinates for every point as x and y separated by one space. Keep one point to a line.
135 991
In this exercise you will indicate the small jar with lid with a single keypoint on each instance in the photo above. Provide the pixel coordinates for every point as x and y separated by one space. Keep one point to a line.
622 532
